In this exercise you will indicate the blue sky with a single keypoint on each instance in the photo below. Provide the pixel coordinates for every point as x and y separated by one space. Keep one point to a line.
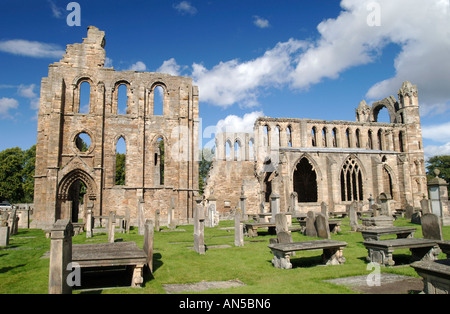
290 58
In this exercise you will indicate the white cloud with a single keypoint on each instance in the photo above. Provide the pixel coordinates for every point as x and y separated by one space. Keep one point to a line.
239 82
436 150
57 12
419 28
260 22
185 7
138 66
7 104
27 91
170 66
33 49
237 124
439 133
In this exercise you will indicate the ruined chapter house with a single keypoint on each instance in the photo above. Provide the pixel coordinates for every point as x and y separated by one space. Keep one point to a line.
306 162
77 140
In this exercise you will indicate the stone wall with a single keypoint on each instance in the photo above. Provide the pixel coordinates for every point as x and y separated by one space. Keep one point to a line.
60 161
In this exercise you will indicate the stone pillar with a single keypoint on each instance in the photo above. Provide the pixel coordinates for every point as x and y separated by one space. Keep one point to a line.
4 236
157 220
238 230
242 204
60 257
199 227
148 243
437 189
172 223
353 208
294 199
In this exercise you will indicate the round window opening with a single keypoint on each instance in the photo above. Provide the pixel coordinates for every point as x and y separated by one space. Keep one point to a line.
83 142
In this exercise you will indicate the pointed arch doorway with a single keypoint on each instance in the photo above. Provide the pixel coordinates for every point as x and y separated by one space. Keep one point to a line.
75 187
305 181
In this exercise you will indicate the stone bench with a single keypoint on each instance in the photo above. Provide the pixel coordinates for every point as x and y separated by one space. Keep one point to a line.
251 228
435 274
332 252
376 233
381 251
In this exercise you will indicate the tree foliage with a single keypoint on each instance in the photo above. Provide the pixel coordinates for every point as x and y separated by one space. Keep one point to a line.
17 175
439 162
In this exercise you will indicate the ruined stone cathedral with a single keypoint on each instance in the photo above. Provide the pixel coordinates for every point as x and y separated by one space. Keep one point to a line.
306 162
77 141
303 162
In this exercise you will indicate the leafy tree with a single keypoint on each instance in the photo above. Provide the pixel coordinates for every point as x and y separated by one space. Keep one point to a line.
11 170
207 156
120 169
439 162
29 161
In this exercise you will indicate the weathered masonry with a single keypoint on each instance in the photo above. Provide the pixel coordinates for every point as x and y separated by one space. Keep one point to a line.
87 111
306 162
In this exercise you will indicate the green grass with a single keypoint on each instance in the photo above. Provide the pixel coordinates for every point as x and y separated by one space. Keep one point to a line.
23 270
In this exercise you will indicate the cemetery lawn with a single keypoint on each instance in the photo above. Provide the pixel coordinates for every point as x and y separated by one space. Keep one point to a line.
24 266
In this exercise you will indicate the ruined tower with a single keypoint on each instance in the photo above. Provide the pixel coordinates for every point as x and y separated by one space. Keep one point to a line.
80 126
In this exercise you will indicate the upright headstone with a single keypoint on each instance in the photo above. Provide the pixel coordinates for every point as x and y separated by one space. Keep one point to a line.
294 199
148 243
438 192
274 205
385 204
60 257
199 227
243 204
376 210
310 229
238 229
353 216
281 223
322 227
157 218
13 222
4 236
141 217
425 206
127 219
89 220
409 211
324 209
172 219
431 227
111 226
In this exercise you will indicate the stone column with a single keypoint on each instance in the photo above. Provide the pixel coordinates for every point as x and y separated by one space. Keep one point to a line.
4 236
141 217
60 257
89 221
438 192
199 227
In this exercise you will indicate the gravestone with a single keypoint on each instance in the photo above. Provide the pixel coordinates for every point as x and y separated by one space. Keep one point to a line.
157 220
284 237
274 205
425 206
294 199
238 229
409 211
60 257
385 204
310 229
431 227
199 227
4 236
127 218
353 216
111 226
281 223
324 209
242 204
375 210
141 217
148 243
322 227
172 220
89 220
13 222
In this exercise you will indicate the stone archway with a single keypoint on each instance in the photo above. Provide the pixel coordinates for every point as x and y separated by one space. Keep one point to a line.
305 182
69 190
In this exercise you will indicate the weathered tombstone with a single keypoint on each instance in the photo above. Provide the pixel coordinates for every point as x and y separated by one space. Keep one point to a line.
172 220
385 204
127 220
111 226
294 199
13 222
425 206
324 209
322 227
242 204
60 257
431 227
238 230
310 229
281 223
199 227
437 189
284 237
353 216
409 211
375 210
141 216
157 222
89 221
148 243
4 235
274 205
